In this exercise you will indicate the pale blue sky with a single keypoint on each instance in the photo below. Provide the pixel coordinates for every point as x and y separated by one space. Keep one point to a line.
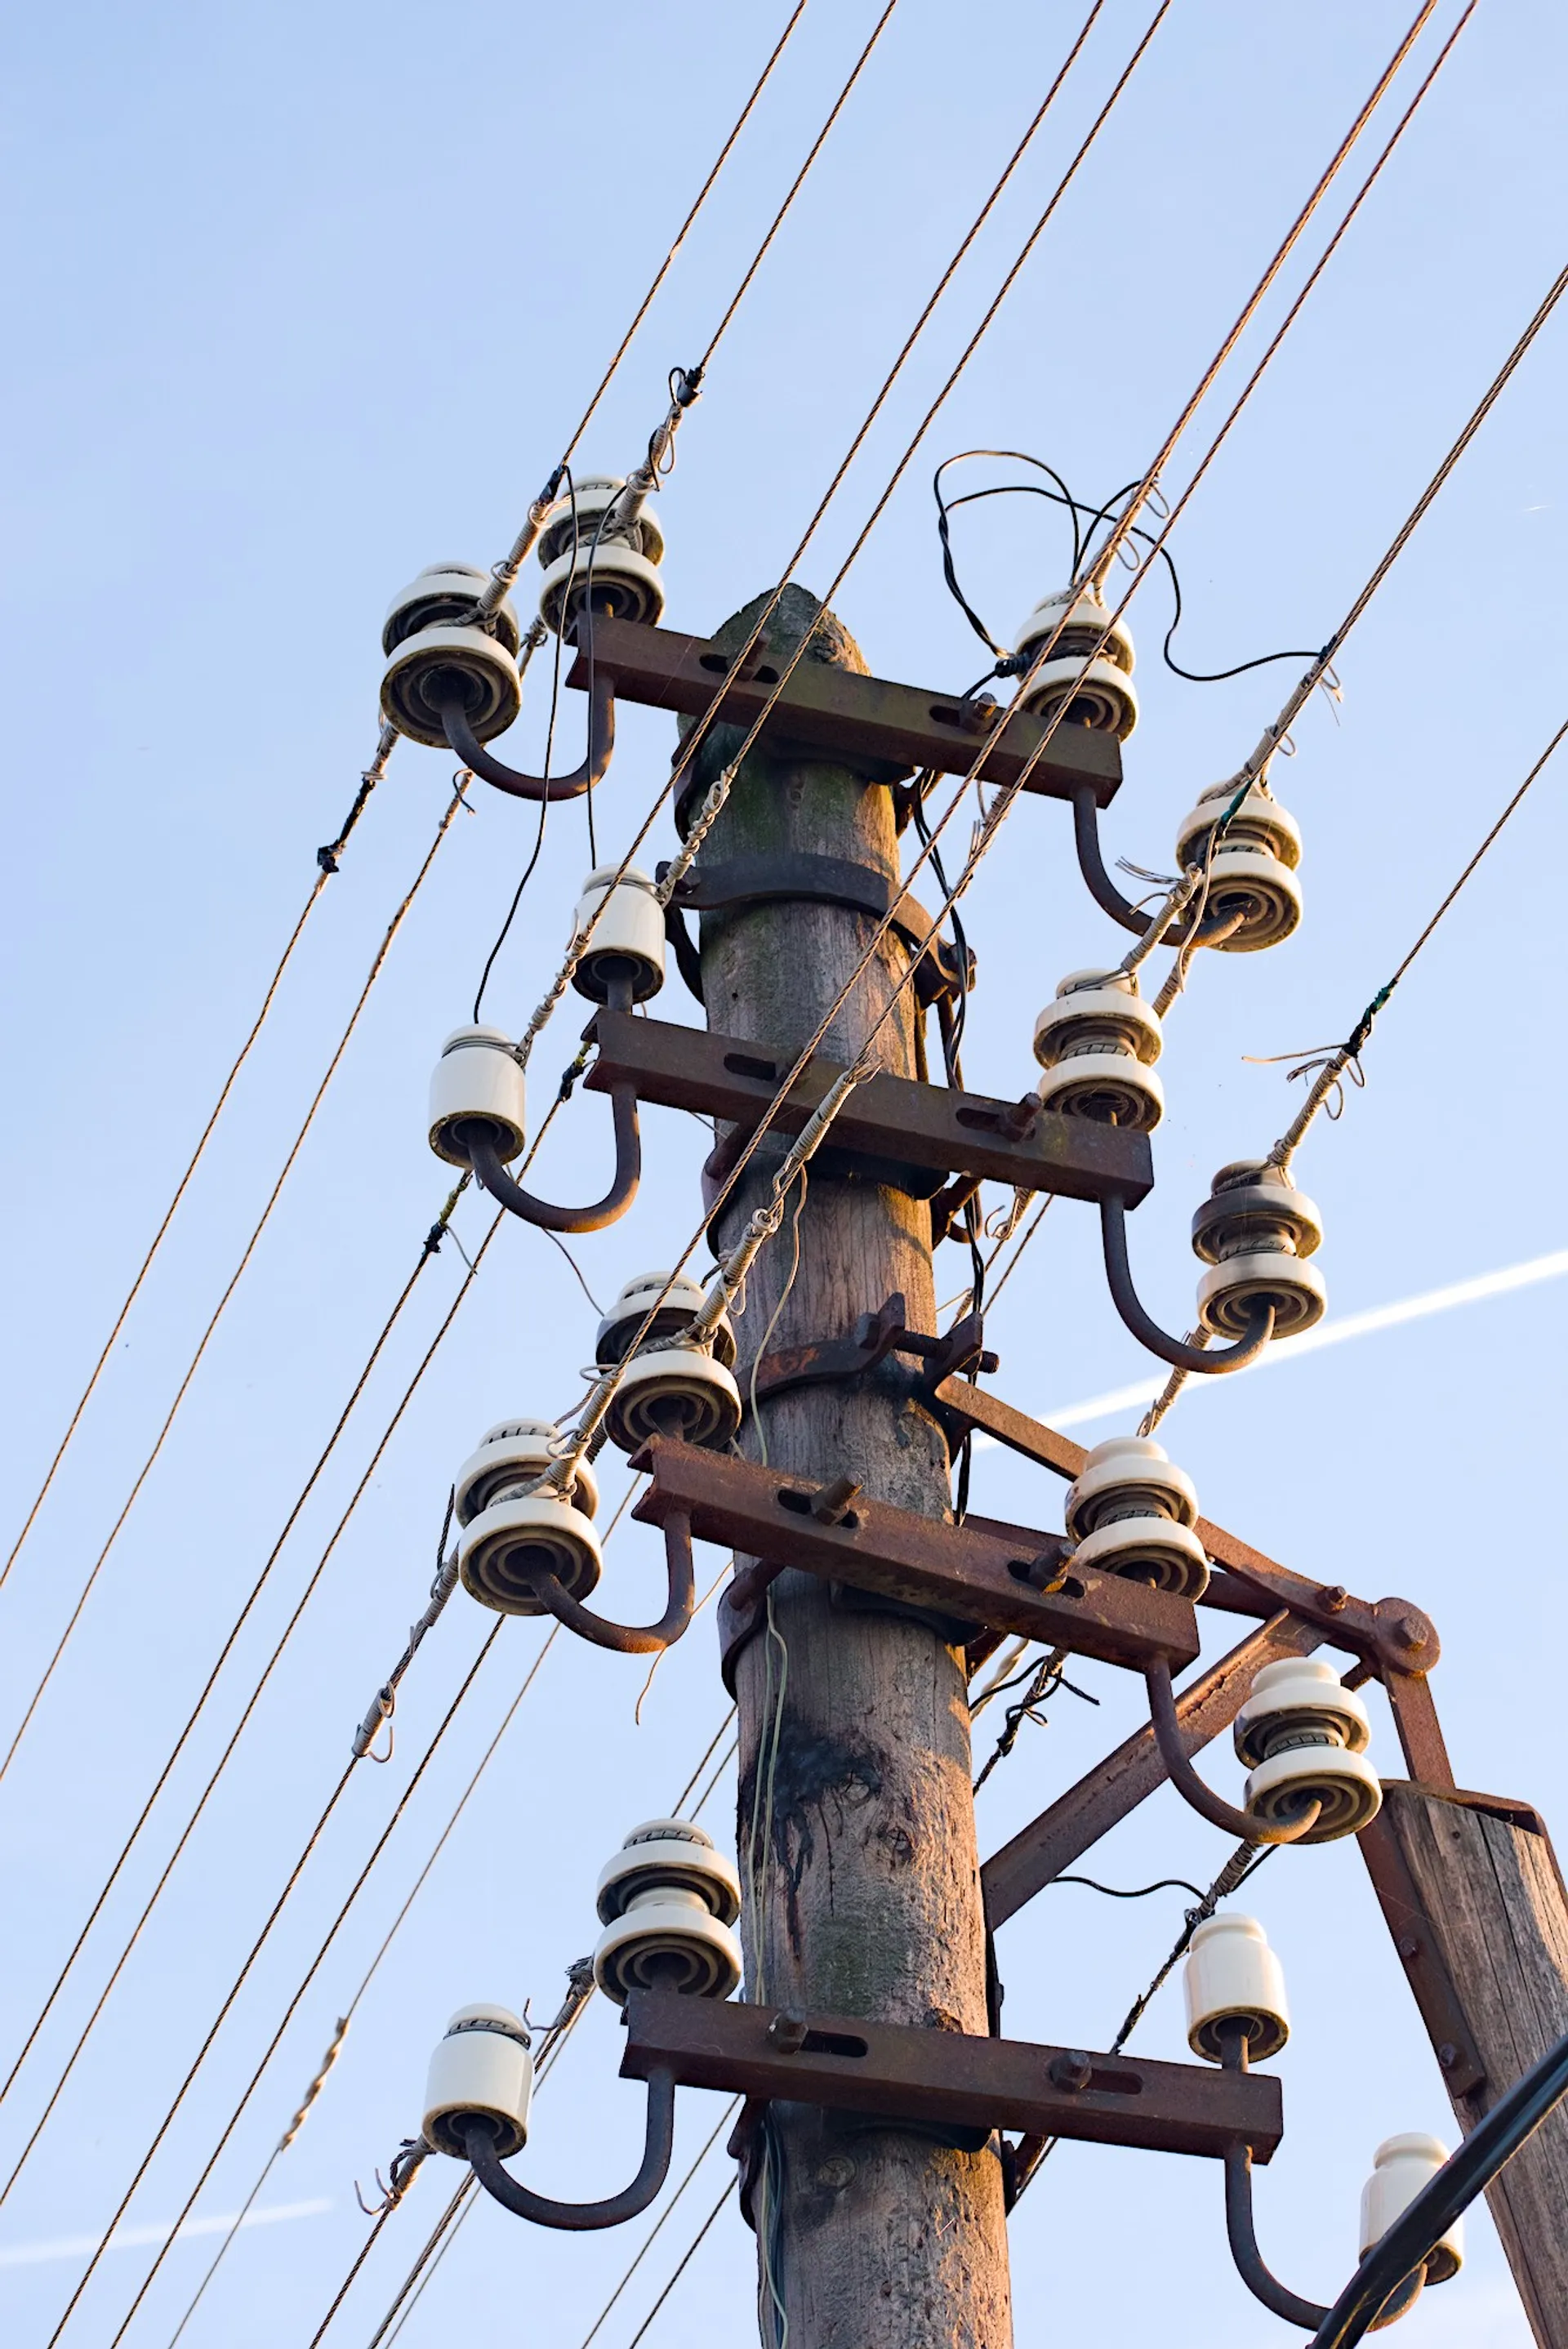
304 298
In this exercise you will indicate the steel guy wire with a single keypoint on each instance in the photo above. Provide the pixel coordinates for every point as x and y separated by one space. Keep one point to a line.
727 2116
451 2216
1006 797
298 1869
431 1243
685 383
382 951
685 2262
700 728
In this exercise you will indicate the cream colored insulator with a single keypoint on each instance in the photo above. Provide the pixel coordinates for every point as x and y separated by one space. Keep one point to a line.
621 570
482 2070
627 947
1254 863
1102 695
1131 1512
642 1297
1254 1231
435 646
1231 1976
681 1390
518 1537
667 1901
478 1081
1402 2168
512 1454
1305 1734
1097 1043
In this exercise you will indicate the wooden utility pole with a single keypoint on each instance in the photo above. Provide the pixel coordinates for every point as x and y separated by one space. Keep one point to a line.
854 1728
1475 1901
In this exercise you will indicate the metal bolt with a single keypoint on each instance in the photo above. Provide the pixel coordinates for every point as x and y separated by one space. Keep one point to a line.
1334 1596
1448 2055
1411 1632
787 2032
1071 2070
1407 1946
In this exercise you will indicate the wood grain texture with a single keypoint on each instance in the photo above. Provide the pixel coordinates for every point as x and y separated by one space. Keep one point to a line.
1494 1904
854 1741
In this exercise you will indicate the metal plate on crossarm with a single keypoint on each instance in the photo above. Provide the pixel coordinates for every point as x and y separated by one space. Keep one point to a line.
949 2079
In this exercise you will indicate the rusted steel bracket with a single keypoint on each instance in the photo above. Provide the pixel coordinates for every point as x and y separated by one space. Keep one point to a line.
949 2079
952 1571
876 1336
1410 1930
930 1131
1116 1787
1395 1638
899 727
794 876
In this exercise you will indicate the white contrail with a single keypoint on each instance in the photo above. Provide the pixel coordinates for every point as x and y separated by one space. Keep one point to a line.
125 2239
1329 1333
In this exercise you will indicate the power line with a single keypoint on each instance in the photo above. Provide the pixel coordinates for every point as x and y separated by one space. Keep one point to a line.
379 958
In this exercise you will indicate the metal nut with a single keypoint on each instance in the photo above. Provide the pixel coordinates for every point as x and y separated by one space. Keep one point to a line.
1407 1946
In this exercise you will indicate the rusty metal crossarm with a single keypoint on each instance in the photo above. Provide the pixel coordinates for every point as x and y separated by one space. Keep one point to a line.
895 1120
899 727
949 2079
950 1570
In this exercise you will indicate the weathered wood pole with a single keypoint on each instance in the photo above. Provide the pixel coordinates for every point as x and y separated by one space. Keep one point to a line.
1479 1892
855 1810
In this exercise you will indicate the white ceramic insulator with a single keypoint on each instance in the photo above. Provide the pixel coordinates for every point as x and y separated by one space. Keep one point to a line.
477 1077
1154 1550
596 493
626 577
1267 893
513 1452
668 1940
1253 1206
1097 1008
642 1297
1110 1086
1083 625
428 664
669 1855
1402 2168
1300 1694
482 2067
505 1542
628 941
674 1390
1098 694
1232 1975
1127 1472
1297 1292
1345 1784
1259 821
446 593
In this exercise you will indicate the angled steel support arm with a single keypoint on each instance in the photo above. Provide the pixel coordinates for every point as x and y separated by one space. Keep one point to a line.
462 739
478 2145
511 1195
1210 1362
632 1639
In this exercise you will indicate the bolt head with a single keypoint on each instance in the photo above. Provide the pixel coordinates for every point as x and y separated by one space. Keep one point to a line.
1334 1596
787 2032
1407 1946
1448 2055
1071 2070
1411 1632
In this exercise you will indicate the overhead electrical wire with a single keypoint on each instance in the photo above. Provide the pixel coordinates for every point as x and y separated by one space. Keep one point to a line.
353 1893
1006 797
394 925
327 858
451 2217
